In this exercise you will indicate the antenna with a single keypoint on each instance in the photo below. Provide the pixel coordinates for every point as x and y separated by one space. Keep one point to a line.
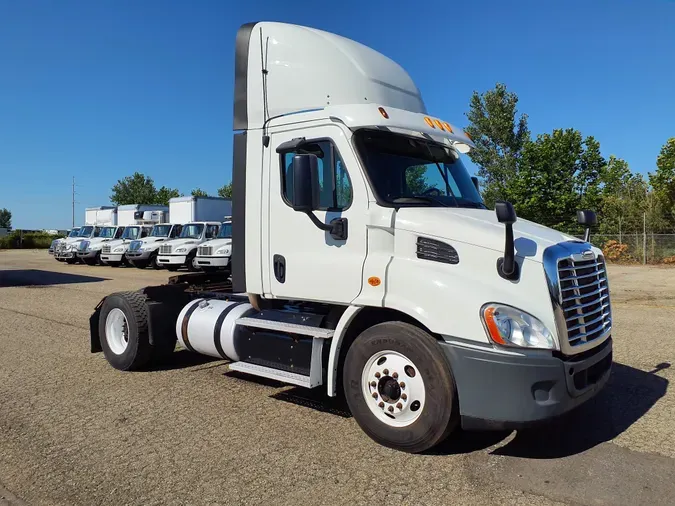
74 202
263 61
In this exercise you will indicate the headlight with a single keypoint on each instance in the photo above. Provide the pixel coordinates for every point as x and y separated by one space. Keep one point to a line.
509 326
181 250
119 250
223 251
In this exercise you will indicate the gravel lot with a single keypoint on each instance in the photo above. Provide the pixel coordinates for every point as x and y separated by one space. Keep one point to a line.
75 431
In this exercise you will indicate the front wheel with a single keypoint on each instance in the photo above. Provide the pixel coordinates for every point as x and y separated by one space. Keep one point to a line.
154 263
190 262
399 387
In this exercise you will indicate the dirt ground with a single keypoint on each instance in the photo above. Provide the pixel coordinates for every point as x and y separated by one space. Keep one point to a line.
74 431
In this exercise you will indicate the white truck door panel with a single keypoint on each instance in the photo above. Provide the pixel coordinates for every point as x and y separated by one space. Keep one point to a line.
315 265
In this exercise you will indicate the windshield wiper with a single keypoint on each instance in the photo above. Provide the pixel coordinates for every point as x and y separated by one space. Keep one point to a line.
424 198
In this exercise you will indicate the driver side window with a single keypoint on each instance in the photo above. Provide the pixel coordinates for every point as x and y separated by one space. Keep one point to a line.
335 187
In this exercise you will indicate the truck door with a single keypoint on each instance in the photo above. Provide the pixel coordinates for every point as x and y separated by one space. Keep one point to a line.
304 262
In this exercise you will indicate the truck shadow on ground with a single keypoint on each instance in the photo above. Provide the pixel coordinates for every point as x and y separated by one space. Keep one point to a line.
628 395
36 277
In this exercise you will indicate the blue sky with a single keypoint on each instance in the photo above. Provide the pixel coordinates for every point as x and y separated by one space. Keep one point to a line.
97 90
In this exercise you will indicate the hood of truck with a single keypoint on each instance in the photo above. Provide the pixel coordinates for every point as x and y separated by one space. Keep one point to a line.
479 227
177 243
217 243
152 240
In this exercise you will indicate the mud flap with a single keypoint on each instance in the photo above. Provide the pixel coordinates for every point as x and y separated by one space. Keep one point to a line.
94 338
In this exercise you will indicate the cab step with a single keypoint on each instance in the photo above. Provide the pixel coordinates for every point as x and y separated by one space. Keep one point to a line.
288 328
270 373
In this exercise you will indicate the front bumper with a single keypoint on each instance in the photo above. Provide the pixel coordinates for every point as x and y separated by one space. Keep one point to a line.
212 261
171 259
138 255
498 391
88 254
112 257
65 254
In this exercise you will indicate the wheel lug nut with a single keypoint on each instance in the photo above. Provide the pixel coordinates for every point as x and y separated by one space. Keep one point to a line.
395 375
402 384
381 404
399 406
377 374
374 395
386 372
391 409
404 397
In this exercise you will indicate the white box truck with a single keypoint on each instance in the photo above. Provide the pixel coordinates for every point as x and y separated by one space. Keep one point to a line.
215 254
423 307
74 232
190 209
135 214
89 250
102 215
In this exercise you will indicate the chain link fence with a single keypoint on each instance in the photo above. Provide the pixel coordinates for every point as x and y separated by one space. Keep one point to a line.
636 248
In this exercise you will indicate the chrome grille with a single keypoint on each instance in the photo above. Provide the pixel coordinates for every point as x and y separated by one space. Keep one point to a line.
584 298
106 249
205 251
165 249
135 245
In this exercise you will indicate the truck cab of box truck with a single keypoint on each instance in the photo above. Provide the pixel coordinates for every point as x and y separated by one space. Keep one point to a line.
71 233
89 250
215 254
143 252
370 263
112 252
181 252
67 250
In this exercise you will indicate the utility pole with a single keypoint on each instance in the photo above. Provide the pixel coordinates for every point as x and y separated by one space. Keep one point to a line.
73 201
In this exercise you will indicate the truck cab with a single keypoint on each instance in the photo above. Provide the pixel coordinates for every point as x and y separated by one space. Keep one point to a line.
67 249
367 263
181 252
54 244
112 252
215 254
143 252
89 250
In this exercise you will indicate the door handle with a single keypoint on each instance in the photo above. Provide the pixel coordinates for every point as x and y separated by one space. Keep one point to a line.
279 263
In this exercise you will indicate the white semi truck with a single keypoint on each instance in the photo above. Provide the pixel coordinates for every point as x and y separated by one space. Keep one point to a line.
143 252
366 263
181 252
89 250
215 254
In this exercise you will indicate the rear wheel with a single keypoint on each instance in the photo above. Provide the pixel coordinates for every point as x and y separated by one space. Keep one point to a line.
190 261
399 387
123 330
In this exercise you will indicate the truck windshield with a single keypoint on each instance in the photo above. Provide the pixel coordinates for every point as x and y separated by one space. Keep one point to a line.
74 233
407 171
86 232
192 231
107 232
131 232
225 231
160 231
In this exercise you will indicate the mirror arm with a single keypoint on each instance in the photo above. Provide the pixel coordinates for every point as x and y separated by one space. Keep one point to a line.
337 227
506 265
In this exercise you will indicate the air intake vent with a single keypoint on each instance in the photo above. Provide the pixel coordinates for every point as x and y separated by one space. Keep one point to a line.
436 251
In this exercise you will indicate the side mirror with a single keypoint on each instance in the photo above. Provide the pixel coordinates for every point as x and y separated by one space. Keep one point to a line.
588 219
474 180
507 267
305 182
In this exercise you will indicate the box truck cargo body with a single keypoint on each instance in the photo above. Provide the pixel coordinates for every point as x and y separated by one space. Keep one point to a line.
189 209
101 215
133 214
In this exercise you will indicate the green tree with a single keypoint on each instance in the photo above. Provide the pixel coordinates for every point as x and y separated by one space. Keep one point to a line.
663 181
164 194
134 189
225 191
5 218
500 136
198 192
415 179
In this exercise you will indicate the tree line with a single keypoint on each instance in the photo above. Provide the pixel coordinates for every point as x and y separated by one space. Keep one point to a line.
549 177
140 189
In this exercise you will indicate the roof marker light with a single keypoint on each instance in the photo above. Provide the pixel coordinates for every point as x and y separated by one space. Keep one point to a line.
447 126
429 121
383 112
439 124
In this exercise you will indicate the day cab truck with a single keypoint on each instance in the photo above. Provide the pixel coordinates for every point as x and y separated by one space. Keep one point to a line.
66 250
215 254
89 250
143 252
365 261
71 234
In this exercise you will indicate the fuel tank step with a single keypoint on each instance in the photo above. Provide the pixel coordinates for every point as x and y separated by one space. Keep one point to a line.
290 328
270 373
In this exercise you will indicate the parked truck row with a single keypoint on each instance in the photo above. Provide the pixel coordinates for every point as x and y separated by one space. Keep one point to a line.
158 236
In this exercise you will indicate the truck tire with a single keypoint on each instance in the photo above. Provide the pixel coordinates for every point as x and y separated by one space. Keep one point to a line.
153 262
123 331
399 387
190 261
139 264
